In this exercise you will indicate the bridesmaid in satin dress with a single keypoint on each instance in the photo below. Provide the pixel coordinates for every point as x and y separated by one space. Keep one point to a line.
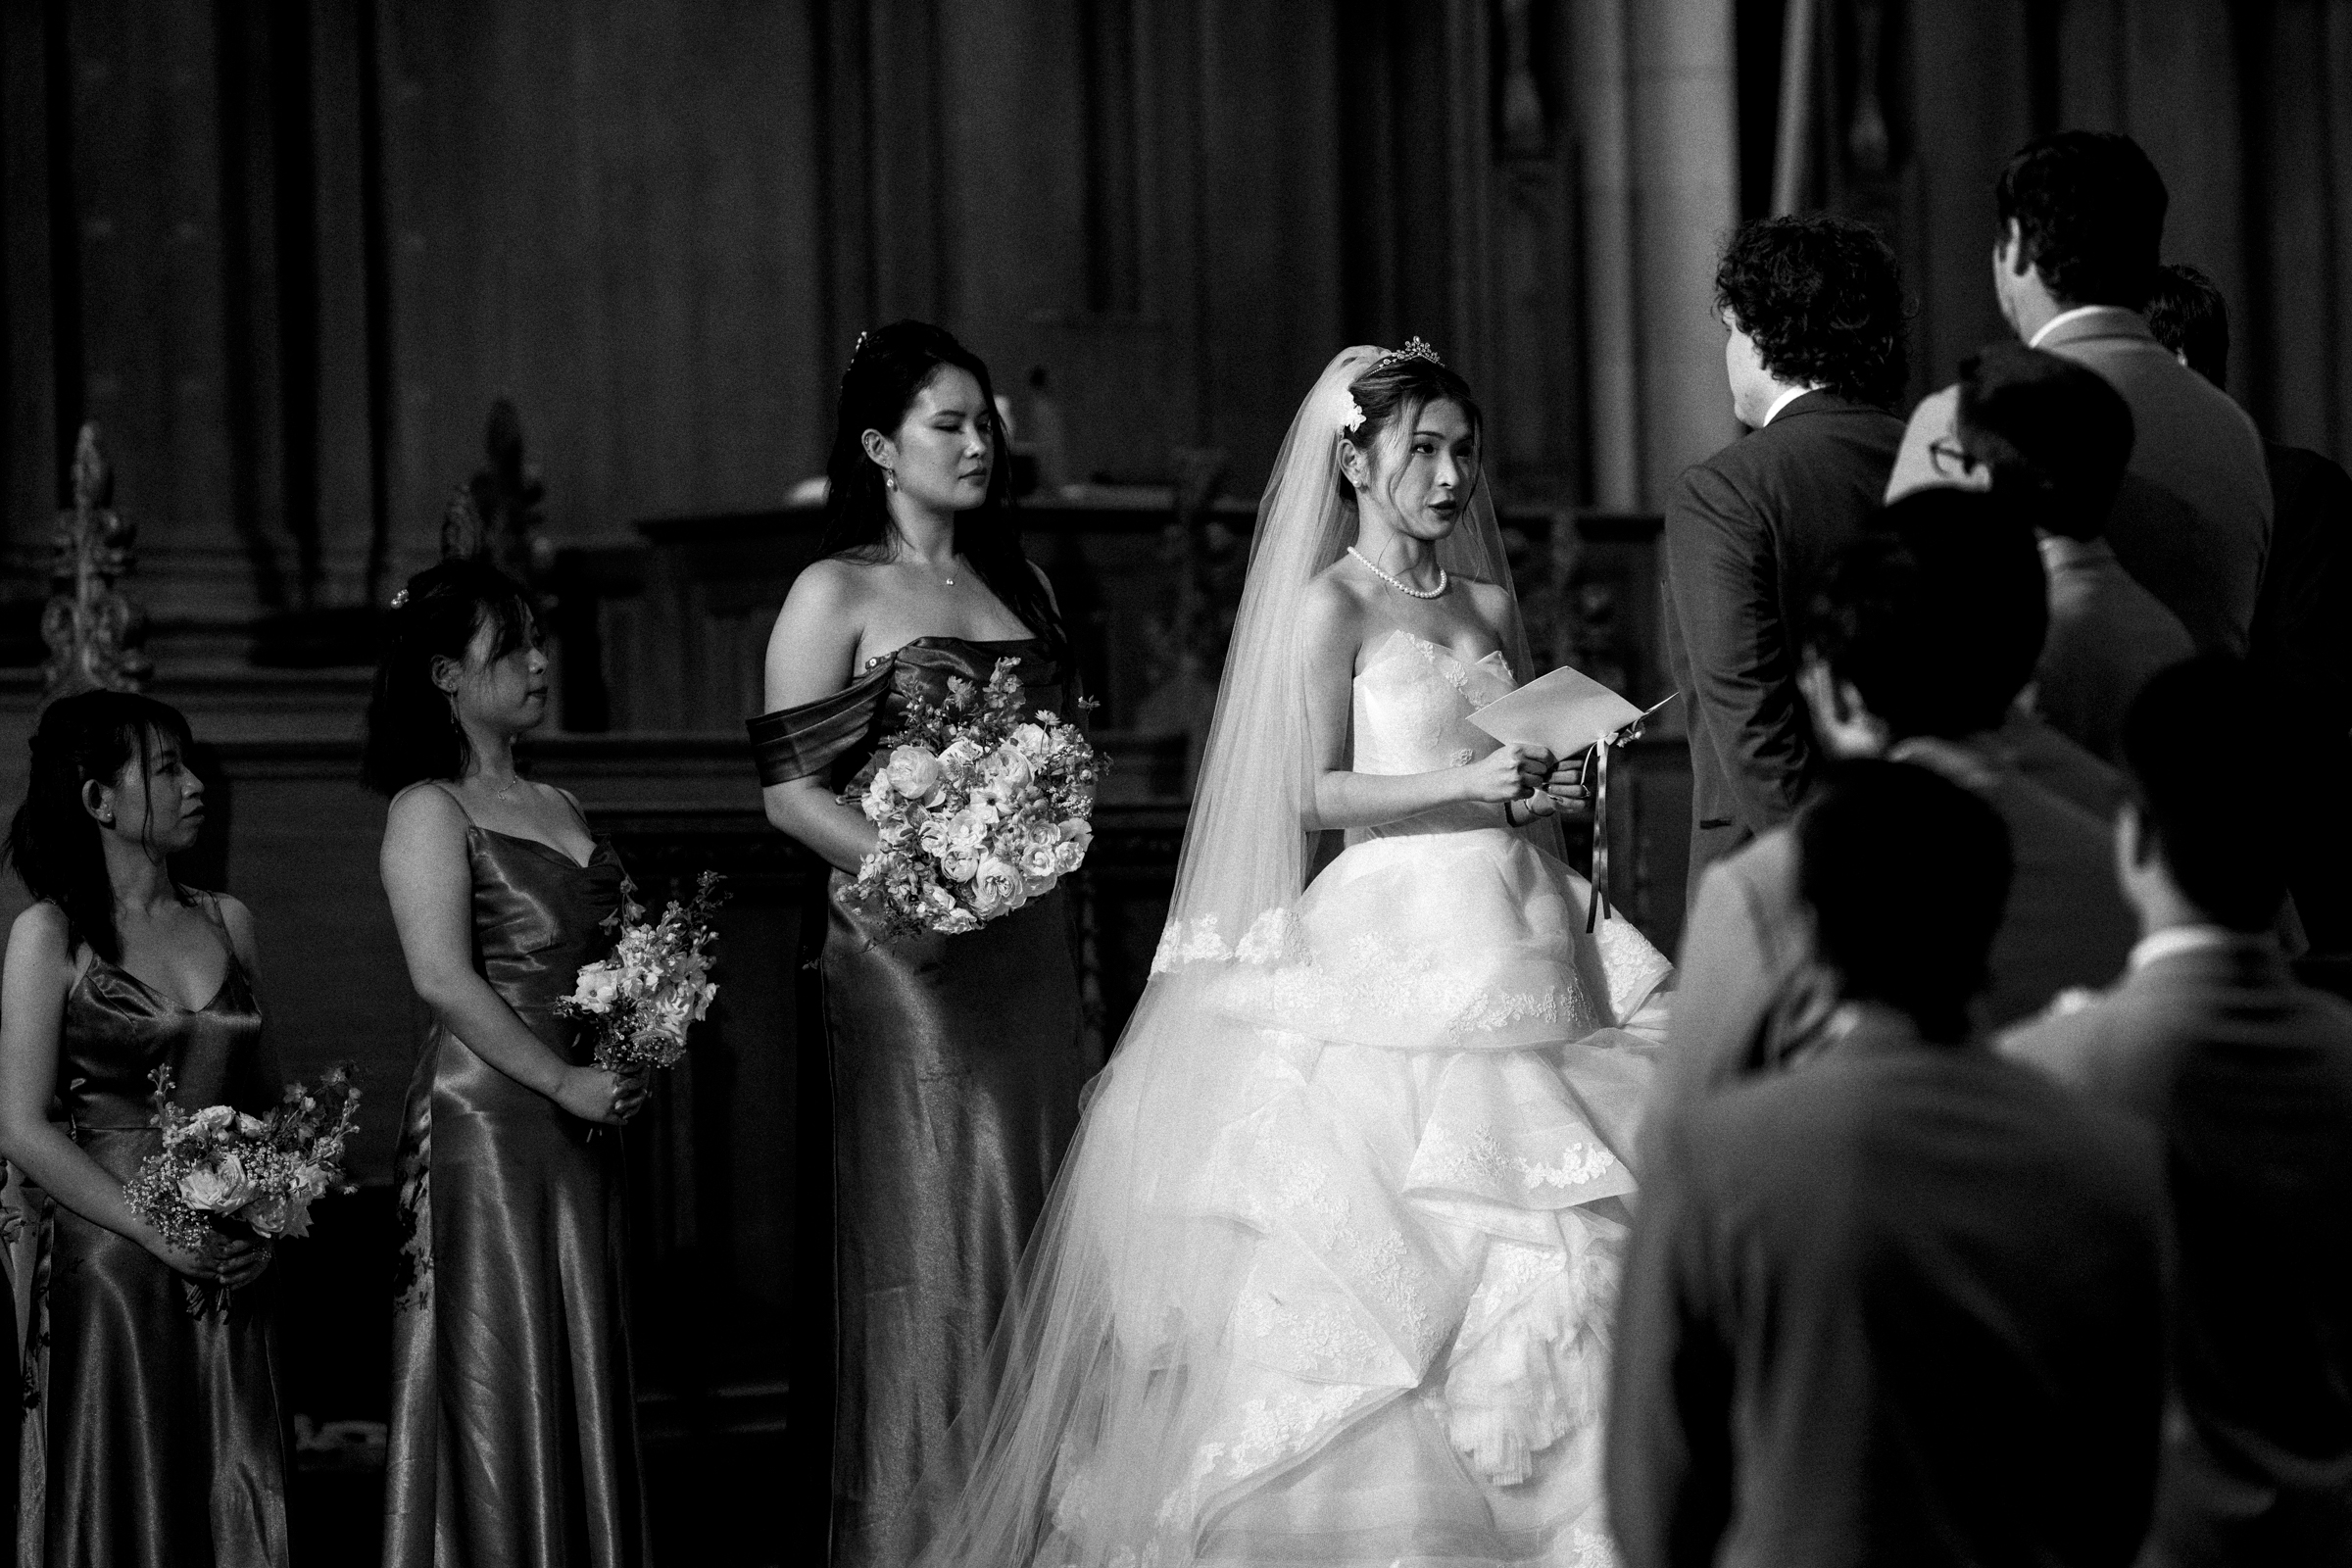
956 1061
164 1438
514 1440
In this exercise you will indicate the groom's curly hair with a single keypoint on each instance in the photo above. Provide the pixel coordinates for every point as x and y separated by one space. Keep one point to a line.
1823 298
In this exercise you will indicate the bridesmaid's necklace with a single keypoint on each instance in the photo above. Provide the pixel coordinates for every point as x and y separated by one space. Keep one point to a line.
1403 588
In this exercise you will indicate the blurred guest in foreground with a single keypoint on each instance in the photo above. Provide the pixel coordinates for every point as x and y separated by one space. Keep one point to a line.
1903 1306
2082 222
160 1426
514 1440
2302 641
2058 438
1814 311
1920 641
2247 1077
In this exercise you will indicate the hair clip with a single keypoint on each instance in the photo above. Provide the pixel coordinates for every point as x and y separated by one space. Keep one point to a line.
1414 349
399 599
1353 420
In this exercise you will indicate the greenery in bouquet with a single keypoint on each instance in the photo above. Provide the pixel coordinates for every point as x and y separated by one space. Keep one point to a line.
982 805
220 1167
639 1003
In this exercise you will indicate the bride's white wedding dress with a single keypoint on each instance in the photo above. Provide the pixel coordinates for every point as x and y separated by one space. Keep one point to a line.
1398 1112
1327 1272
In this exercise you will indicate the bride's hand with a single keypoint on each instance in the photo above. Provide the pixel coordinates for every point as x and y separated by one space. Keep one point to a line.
1509 773
1566 788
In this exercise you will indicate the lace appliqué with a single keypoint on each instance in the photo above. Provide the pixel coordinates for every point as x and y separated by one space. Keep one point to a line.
1386 978
1483 1160
1634 964
1274 937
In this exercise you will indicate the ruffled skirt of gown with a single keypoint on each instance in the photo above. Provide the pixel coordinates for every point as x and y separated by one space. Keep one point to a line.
1329 1277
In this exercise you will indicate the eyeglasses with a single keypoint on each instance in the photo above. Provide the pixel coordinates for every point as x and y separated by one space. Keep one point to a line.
1951 462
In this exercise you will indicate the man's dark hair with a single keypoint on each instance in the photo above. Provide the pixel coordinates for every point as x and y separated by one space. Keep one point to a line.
1907 875
1822 297
2089 212
1937 614
2189 317
2221 829
2056 435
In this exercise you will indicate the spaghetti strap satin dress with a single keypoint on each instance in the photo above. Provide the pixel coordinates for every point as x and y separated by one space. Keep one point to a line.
514 1440
957 1064
164 1440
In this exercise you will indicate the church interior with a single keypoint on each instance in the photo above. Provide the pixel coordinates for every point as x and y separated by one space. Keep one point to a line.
297 295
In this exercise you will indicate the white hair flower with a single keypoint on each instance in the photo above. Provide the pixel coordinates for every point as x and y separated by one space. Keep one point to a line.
1355 418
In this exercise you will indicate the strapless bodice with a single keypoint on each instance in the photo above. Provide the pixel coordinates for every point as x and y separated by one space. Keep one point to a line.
1412 702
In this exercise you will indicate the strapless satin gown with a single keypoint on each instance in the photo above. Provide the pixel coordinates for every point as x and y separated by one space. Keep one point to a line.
514 1440
956 1064
164 1441
1330 1275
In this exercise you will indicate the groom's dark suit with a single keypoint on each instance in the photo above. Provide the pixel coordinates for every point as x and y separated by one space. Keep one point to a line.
2247 1077
1901 1305
1750 535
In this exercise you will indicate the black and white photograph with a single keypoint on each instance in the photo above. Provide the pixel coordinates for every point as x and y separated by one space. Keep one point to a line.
1141 783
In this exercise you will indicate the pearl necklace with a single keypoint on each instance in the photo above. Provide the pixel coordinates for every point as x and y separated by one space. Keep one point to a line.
1408 591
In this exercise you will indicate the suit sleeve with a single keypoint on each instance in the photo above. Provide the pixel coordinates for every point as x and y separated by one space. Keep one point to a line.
1725 584
1669 1441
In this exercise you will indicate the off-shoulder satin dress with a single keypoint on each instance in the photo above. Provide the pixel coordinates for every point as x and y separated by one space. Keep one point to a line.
164 1437
956 1064
513 1439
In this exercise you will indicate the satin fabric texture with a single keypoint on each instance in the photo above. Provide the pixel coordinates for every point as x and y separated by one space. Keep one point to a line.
514 1440
957 1064
164 1437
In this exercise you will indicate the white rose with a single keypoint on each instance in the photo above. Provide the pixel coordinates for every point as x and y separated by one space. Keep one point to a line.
959 755
1009 770
271 1215
211 1119
1038 863
997 888
880 799
217 1187
1077 830
960 865
1030 739
967 829
250 1126
1068 856
914 771
957 922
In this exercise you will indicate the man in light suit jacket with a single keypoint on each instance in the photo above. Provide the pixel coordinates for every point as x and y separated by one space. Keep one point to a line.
1903 1303
1814 310
2059 438
1926 633
2247 1078
2081 218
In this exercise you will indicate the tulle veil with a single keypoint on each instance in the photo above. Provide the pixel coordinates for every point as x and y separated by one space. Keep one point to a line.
1111 1358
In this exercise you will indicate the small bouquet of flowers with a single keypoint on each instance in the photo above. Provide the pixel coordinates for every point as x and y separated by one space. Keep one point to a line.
220 1169
982 805
639 1003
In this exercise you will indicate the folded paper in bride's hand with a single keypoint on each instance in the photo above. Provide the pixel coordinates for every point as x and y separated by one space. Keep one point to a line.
1563 712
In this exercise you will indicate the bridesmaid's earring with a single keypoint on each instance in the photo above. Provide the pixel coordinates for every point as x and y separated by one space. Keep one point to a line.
890 480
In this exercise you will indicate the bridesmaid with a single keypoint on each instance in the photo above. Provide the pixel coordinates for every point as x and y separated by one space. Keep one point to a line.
513 1439
956 1061
164 1437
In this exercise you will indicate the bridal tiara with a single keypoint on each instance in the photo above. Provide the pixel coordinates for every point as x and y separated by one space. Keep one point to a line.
1414 349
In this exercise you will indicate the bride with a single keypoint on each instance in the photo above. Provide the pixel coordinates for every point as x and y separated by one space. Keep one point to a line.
1326 1276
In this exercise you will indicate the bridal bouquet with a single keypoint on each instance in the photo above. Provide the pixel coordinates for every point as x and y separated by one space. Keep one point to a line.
640 1002
982 805
219 1167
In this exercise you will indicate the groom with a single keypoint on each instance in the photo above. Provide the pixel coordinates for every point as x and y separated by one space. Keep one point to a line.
1814 311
